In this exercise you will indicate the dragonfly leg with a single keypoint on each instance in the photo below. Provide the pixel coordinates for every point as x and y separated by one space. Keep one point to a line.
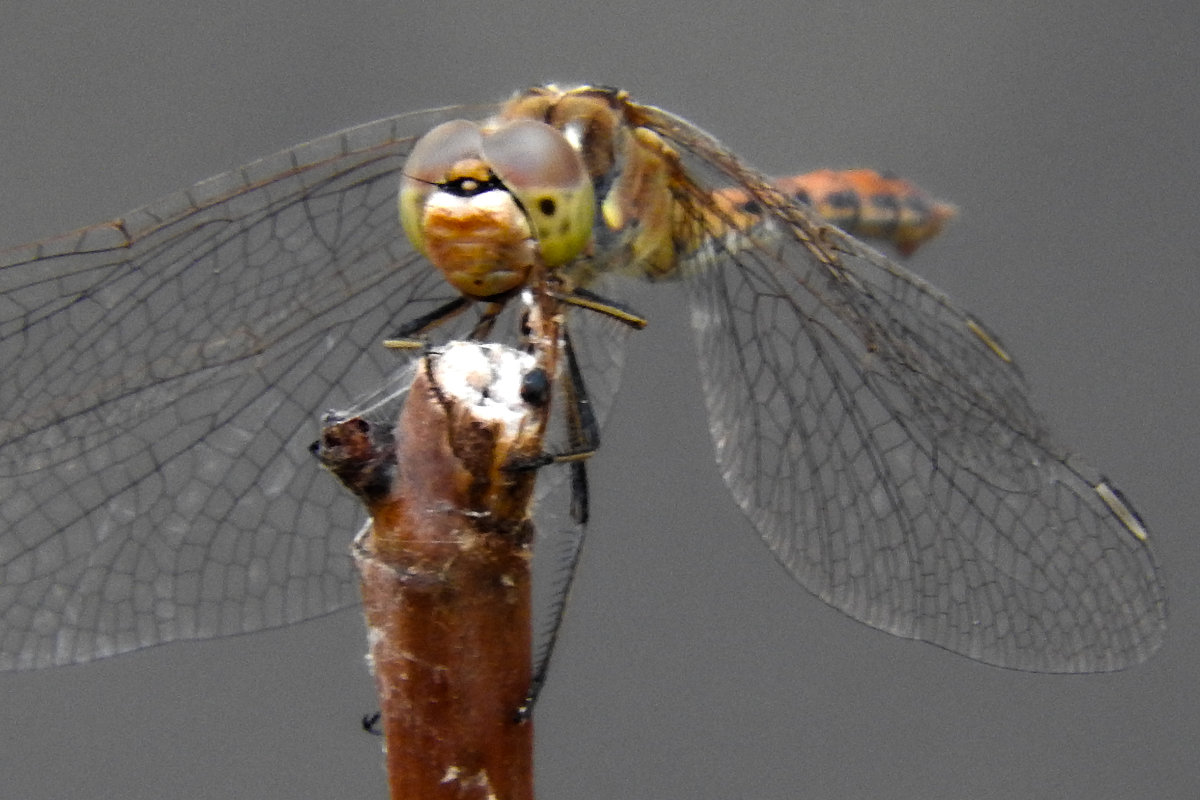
487 320
568 562
582 298
583 431
370 723
407 336
584 439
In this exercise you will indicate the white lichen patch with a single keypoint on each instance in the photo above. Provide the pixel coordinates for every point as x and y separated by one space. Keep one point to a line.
486 378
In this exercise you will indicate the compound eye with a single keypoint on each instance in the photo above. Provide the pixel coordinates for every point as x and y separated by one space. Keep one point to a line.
432 162
437 152
547 176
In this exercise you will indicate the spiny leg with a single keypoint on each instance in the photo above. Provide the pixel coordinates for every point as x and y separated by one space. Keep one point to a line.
583 434
408 336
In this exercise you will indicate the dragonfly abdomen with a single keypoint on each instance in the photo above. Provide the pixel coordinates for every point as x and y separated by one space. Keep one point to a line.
871 205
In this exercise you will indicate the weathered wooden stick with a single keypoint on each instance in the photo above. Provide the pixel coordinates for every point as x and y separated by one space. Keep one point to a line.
445 566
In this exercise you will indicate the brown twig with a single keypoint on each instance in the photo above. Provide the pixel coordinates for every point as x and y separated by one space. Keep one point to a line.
445 567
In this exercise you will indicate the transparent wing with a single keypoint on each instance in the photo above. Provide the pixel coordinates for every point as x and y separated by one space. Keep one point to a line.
164 374
883 444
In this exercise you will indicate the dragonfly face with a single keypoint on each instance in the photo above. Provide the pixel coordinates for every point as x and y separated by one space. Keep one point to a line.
557 177
484 204
164 372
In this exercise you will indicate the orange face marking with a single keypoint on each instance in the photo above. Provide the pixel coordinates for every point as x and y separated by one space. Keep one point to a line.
483 244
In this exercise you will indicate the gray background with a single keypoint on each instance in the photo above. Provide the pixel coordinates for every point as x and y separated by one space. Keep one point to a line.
692 666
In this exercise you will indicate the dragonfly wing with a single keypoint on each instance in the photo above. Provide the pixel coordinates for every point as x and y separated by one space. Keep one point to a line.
164 375
883 444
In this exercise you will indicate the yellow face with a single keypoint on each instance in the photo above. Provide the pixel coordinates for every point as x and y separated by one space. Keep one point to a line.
486 205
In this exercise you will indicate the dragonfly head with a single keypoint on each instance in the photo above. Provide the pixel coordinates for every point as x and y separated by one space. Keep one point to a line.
485 204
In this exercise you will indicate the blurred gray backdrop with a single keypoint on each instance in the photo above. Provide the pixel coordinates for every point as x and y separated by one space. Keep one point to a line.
692 666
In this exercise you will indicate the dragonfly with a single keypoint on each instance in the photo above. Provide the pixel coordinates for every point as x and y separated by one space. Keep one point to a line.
163 371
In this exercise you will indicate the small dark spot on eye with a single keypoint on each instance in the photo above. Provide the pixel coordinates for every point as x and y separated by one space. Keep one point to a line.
546 206
802 196
750 207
